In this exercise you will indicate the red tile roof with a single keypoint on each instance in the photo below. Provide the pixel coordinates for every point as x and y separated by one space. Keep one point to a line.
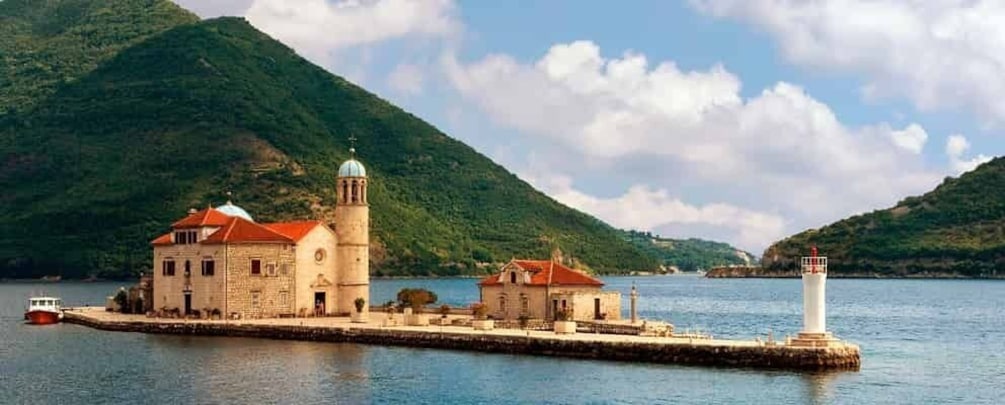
240 230
547 273
206 217
164 239
295 230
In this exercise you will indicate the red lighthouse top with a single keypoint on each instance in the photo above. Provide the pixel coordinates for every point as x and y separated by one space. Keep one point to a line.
814 264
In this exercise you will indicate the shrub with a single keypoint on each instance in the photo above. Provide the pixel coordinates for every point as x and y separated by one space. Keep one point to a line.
479 310
359 303
563 315
416 298
122 300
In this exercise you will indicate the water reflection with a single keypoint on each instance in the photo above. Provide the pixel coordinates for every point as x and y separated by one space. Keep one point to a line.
820 386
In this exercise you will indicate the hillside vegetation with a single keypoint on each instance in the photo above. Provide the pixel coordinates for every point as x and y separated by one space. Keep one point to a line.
958 229
119 117
688 254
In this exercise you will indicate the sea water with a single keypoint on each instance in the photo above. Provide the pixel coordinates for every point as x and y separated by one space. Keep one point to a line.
923 341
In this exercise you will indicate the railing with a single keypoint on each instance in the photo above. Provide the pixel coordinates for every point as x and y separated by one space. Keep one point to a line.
814 264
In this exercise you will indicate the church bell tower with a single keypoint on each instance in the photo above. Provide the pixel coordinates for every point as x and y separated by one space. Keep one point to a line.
352 228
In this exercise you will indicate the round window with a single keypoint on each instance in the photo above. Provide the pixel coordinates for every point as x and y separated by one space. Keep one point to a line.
319 255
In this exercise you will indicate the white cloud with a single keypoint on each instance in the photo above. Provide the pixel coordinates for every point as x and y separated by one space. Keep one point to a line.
406 78
939 54
911 138
319 28
215 8
644 208
781 151
956 146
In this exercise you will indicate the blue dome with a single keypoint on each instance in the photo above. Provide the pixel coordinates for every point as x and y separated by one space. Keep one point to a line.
234 211
351 168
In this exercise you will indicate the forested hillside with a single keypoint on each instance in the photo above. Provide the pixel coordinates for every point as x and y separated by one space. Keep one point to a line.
117 117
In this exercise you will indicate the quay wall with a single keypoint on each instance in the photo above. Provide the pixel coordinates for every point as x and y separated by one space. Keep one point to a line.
844 357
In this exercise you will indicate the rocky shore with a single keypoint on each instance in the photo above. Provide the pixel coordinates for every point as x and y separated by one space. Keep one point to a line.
666 350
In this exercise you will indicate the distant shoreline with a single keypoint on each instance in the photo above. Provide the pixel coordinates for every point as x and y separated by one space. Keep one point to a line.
758 272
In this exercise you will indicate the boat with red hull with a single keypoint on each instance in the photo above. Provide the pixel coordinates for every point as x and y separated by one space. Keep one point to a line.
44 311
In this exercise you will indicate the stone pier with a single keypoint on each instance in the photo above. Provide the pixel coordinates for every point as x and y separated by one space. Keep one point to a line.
665 350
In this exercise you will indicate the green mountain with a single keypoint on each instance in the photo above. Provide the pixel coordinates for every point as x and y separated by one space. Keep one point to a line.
138 111
958 229
688 254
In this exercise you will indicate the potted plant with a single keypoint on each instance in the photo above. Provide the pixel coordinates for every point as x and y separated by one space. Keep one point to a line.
564 322
359 316
479 310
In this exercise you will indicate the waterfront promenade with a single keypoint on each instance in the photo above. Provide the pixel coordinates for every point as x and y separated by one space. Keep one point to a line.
667 350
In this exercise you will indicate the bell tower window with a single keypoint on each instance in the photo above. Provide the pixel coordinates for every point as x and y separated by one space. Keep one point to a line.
345 191
512 277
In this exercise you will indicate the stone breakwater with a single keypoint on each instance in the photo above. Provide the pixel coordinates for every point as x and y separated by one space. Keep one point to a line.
682 351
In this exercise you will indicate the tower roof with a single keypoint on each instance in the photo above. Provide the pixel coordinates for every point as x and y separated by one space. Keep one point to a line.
351 168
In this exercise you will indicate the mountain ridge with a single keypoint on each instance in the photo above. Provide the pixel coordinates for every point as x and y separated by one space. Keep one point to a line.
954 230
104 161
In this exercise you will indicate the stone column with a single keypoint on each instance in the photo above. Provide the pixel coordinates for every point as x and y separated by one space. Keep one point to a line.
635 298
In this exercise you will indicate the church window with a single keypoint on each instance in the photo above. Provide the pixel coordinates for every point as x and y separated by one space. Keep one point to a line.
256 267
188 268
208 267
512 277
355 191
319 256
502 303
167 268
524 303
345 191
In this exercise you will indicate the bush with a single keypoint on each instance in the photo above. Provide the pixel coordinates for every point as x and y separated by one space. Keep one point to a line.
122 299
564 315
416 298
479 310
359 303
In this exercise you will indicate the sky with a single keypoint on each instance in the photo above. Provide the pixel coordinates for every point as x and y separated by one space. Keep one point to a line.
743 121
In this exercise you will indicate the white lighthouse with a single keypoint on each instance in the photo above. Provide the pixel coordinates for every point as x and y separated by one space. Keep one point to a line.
814 273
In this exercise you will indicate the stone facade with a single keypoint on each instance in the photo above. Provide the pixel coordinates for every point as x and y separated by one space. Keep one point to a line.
218 260
538 289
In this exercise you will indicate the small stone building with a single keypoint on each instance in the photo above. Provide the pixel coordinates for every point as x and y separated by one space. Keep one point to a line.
220 259
541 288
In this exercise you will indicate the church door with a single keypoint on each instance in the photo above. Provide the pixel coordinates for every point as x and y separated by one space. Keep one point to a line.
188 303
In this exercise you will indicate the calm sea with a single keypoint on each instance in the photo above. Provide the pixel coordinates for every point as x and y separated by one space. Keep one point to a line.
923 341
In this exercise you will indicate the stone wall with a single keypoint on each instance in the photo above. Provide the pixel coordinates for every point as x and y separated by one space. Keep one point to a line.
775 357
266 295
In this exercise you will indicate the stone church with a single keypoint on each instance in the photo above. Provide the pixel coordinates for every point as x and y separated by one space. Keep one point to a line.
220 259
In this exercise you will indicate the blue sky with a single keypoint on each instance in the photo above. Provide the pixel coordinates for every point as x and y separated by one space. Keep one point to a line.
737 120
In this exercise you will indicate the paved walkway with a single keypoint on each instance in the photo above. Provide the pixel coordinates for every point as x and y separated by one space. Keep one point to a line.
101 315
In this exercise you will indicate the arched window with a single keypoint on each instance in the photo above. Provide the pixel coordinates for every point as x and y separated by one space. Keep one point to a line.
362 192
512 277
345 191
188 268
502 303
355 192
